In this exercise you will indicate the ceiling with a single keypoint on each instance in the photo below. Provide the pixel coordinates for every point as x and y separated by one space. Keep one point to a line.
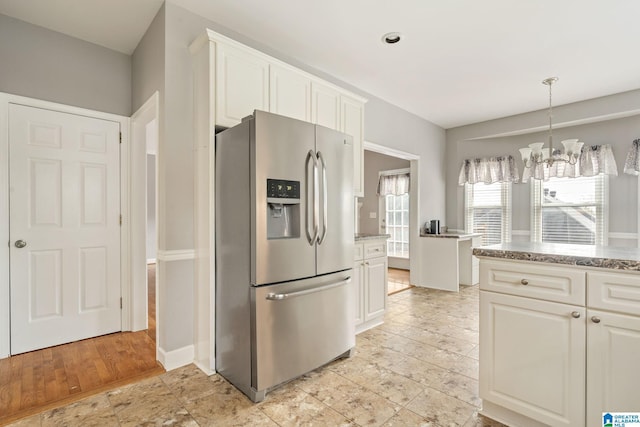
460 62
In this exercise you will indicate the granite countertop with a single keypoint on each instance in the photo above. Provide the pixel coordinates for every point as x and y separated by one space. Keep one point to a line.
452 235
617 258
370 236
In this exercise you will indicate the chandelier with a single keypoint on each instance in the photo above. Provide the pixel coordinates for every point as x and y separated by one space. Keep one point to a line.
535 154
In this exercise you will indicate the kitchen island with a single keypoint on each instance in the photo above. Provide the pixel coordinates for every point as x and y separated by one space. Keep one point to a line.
559 333
447 261
370 280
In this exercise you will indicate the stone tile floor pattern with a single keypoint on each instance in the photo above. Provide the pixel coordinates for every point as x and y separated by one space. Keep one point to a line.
420 368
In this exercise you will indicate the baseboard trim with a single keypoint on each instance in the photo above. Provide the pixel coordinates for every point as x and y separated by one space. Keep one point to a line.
176 358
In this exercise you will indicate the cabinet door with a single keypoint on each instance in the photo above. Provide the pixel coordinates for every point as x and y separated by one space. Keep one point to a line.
358 290
352 123
532 357
242 84
613 346
325 106
290 93
375 291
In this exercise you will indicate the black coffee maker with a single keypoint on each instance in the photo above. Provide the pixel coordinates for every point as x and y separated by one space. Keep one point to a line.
434 227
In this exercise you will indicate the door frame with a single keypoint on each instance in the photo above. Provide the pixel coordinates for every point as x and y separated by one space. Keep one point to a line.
5 302
147 114
394 262
414 210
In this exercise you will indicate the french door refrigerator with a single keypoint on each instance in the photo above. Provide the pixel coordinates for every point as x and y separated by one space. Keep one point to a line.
284 250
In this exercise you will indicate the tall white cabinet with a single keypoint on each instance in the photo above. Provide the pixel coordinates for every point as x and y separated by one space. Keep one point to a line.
232 80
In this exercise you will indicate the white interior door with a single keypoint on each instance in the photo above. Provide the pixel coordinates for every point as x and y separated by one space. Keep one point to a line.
64 217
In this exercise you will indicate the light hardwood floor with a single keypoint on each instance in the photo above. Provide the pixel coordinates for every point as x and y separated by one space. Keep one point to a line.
42 379
398 280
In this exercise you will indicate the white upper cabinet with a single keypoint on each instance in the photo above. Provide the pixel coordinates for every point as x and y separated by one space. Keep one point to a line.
325 105
242 84
290 93
241 80
352 112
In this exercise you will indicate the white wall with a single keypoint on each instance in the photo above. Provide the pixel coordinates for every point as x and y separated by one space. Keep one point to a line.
619 132
51 66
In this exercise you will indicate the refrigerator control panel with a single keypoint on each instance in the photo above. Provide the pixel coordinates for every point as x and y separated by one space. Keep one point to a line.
282 189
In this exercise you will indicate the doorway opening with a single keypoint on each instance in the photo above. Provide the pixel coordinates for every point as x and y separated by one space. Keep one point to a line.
152 239
144 231
396 213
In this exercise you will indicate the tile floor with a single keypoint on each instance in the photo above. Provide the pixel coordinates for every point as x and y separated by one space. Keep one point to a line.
420 368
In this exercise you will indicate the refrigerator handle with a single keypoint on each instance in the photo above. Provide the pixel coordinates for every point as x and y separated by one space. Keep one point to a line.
324 198
313 199
278 297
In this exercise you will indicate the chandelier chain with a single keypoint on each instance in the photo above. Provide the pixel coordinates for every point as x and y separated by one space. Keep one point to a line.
550 121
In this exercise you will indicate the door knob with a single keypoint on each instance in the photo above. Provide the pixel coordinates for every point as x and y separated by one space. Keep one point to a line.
20 244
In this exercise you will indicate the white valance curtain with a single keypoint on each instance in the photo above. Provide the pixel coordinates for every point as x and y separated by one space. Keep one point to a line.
396 184
632 164
488 170
594 160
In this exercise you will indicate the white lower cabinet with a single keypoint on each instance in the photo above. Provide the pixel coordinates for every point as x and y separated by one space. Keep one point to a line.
375 271
546 362
532 358
613 355
613 344
370 283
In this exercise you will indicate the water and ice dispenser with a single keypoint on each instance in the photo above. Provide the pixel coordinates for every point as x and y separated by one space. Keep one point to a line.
283 209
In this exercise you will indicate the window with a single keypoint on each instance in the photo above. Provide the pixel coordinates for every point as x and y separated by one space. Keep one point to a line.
488 211
570 210
397 224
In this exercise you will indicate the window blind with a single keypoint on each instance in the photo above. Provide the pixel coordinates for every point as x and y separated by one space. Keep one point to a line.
570 210
488 211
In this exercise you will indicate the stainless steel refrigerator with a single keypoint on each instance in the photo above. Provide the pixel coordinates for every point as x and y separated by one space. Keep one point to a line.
284 250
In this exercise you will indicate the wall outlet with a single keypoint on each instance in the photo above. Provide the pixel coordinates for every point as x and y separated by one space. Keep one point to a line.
373 215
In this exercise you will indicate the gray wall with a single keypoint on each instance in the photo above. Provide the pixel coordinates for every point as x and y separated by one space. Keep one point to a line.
44 64
619 132
373 164
393 127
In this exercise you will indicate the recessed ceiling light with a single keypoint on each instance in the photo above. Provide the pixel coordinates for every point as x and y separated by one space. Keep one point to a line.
392 38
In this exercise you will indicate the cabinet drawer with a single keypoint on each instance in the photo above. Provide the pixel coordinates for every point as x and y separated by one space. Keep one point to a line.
534 280
614 291
358 252
375 249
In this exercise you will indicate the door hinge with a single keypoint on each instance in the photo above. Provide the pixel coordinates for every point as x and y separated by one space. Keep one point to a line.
120 303
120 137
120 219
